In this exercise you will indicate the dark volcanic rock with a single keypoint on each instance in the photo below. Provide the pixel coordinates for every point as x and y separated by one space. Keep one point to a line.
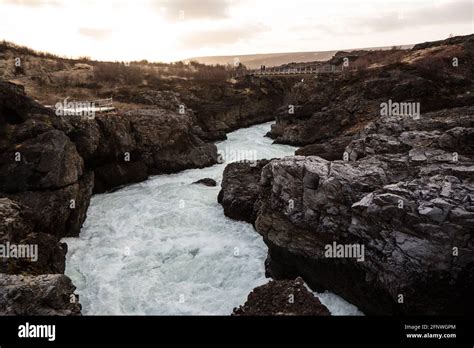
17 228
48 190
126 148
240 190
48 161
115 174
59 212
16 108
206 182
408 250
425 224
451 130
51 294
330 150
40 166
167 143
166 99
223 107
282 297
86 134
340 105
404 193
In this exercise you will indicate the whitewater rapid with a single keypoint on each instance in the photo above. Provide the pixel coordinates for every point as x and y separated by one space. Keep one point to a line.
164 246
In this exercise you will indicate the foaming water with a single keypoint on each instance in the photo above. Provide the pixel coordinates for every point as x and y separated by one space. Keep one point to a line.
164 246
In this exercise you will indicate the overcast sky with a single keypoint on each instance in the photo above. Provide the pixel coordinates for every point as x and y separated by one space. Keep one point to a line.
168 30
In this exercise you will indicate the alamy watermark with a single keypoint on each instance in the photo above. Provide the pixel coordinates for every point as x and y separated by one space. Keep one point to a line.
28 330
19 251
231 155
335 250
408 109
82 109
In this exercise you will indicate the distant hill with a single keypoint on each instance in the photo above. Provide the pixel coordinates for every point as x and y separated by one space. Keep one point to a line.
254 61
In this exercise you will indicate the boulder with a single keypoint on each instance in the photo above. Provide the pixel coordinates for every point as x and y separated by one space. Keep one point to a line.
407 212
59 212
206 182
47 161
51 294
282 297
240 190
17 230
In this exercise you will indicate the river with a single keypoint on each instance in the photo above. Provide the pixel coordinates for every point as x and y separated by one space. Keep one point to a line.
165 247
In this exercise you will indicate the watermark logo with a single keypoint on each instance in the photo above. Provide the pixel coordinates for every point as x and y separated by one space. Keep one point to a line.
407 109
455 62
19 251
37 331
291 109
334 250
230 155
82 109
345 62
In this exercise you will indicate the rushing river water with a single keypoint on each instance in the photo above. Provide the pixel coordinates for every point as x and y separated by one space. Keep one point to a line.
165 247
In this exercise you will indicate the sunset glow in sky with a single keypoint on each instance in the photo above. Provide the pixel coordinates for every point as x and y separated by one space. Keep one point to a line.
169 30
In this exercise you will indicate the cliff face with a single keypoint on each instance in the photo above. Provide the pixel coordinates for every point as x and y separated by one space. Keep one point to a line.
45 192
404 191
39 164
412 216
401 207
331 110
389 228
215 107
221 108
127 147
240 190
49 168
51 165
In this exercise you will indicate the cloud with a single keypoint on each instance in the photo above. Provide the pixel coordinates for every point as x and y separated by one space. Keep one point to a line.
448 13
389 20
32 3
95 33
217 37
193 9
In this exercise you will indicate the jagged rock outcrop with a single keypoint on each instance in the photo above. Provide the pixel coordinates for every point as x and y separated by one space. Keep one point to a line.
400 203
45 192
126 148
216 107
240 190
51 294
308 203
39 164
50 165
450 129
223 107
330 111
166 99
330 150
167 143
282 297
59 212
45 253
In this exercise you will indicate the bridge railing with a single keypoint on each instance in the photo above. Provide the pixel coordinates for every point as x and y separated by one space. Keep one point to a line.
67 107
323 69
106 103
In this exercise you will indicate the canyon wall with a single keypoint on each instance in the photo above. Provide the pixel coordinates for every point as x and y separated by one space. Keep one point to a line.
377 208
